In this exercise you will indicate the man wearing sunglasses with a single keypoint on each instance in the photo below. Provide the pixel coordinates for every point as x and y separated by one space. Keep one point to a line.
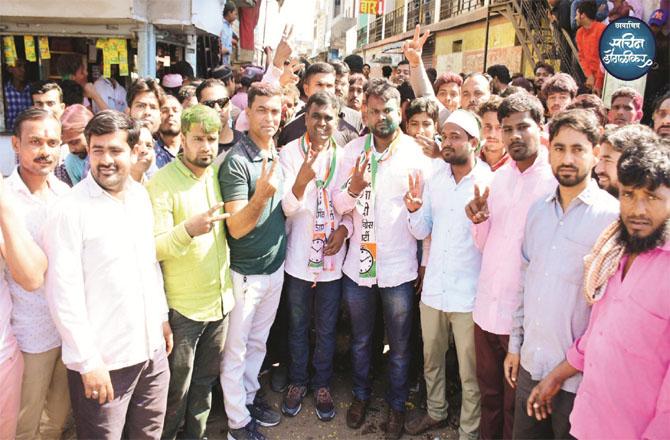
214 94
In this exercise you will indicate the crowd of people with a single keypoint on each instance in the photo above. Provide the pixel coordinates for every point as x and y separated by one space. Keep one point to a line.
149 253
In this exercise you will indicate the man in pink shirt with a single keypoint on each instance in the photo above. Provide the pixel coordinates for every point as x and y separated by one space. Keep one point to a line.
499 215
625 352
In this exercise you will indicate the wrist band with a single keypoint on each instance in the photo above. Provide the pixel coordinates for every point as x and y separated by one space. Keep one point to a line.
352 195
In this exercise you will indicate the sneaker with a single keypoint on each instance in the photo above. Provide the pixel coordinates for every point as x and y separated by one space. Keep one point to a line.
249 432
292 403
263 413
325 409
279 378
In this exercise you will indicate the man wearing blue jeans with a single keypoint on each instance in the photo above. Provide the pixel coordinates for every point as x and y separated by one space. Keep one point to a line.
314 252
382 253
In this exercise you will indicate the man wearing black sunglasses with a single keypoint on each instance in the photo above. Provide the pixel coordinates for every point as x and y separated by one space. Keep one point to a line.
214 93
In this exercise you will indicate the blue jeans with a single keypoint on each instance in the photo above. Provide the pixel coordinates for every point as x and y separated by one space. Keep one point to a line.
326 297
397 305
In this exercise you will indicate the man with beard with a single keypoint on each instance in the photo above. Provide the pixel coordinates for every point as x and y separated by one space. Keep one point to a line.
73 122
501 78
493 151
168 141
626 107
190 238
105 293
612 144
446 306
499 215
558 92
543 72
661 116
45 403
624 354
551 311
382 253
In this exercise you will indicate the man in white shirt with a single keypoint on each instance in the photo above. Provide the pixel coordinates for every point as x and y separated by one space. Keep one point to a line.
25 261
450 283
383 253
105 291
34 186
112 92
314 253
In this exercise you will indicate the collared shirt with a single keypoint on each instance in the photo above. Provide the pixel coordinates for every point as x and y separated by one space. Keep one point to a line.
625 355
17 101
8 343
511 195
502 161
552 311
263 249
32 323
104 286
195 269
396 246
112 93
163 155
451 276
300 213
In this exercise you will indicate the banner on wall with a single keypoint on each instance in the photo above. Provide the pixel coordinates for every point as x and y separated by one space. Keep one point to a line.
45 54
29 45
9 50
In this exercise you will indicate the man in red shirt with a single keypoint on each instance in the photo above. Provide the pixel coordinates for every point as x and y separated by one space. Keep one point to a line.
588 39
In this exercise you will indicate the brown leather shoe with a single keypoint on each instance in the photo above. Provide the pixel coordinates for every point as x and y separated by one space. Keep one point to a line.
394 424
422 423
356 413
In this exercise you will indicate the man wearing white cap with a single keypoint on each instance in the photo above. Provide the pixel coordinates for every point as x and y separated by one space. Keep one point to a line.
450 284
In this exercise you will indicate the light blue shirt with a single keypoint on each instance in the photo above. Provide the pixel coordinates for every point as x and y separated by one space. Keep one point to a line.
227 41
450 283
552 311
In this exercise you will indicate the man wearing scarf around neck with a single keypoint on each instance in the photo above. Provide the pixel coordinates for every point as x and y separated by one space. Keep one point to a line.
624 354
371 185
314 252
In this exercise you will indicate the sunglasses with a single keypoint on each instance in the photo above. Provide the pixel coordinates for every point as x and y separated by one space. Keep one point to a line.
221 102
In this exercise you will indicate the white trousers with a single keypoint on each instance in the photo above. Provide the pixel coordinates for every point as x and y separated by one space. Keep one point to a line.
256 302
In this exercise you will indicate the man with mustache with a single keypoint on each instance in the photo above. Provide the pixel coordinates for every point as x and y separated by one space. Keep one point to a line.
493 151
446 306
315 252
626 107
22 260
499 215
551 311
44 394
661 116
558 92
168 141
105 291
612 144
144 104
49 96
382 252
624 354
251 186
357 85
190 238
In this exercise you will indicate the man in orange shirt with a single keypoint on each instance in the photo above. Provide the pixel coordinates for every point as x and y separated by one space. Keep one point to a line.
588 39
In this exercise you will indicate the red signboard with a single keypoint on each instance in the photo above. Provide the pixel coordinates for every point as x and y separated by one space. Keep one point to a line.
374 7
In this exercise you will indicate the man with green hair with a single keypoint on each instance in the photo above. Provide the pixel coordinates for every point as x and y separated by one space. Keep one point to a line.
192 250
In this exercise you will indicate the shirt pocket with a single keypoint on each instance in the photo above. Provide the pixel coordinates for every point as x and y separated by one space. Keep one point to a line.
645 331
571 260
